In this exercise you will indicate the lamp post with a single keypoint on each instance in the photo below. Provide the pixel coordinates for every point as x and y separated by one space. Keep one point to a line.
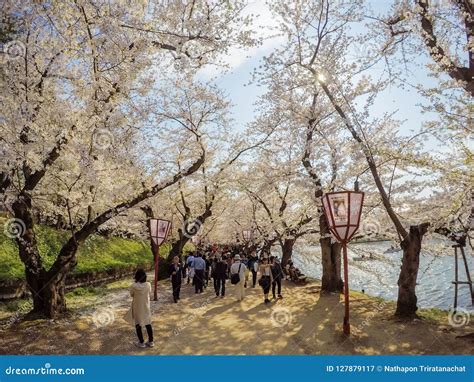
159 230
342 211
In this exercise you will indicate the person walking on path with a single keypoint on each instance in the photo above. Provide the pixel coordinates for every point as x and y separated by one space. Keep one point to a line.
219 275
199 273
229 264
214 262
252 265
190 266
207 273
176 274
247 270
238 269
266 278
141 314
277 274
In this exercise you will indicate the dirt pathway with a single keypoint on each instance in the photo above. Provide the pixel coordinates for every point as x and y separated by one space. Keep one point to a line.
301 323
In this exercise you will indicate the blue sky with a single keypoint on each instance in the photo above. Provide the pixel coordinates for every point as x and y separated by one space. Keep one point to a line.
244 97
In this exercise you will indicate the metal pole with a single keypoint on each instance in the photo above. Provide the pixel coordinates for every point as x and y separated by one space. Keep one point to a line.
469 281
346 325
455 278
157 255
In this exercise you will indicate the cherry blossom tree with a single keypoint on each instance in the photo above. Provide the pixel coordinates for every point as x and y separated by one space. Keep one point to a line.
77 77
318 58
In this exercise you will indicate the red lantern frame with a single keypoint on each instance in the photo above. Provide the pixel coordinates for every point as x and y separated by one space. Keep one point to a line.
333 226
247 234
159 230
159 236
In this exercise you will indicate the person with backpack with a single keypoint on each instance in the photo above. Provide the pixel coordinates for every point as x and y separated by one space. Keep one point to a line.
219 275
237 277
266 278
277 273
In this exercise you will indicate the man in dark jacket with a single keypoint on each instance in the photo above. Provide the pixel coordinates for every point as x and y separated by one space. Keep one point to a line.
220 274
277 273
176 276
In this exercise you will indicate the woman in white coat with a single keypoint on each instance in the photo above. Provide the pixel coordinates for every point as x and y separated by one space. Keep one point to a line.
141 293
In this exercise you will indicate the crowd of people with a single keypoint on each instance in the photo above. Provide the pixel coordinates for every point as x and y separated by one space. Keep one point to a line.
242 266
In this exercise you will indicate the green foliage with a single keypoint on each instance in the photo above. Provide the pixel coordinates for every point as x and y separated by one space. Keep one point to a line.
96 254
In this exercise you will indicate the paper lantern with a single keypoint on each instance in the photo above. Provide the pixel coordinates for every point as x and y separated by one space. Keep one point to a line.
343 210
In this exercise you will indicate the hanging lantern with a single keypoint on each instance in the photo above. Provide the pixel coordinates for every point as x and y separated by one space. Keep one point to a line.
342 211
247 235
159 230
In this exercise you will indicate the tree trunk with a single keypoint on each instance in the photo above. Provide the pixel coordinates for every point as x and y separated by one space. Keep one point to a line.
183 237
287 251
49 300
330 258
411 245
331 262
46 287
178 246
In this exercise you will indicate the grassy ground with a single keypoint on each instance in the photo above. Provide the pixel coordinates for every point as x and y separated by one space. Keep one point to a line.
304 322
96 254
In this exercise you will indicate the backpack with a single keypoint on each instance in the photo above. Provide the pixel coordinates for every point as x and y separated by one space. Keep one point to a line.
235 277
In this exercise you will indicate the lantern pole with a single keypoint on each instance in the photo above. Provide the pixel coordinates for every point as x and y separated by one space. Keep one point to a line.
155 247
157 255
346 324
